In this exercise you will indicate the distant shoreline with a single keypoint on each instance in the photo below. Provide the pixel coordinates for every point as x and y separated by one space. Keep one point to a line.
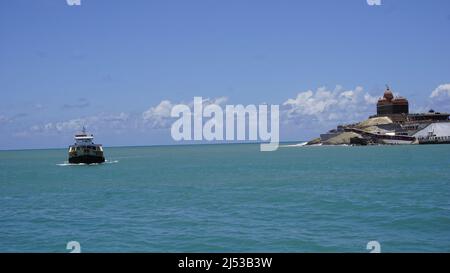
292 144
157 145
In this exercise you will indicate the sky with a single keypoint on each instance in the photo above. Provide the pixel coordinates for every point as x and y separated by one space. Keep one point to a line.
118 66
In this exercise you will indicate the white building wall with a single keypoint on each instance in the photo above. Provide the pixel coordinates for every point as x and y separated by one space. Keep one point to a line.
439 129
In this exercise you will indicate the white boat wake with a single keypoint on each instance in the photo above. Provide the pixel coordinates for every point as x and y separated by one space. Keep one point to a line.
84 164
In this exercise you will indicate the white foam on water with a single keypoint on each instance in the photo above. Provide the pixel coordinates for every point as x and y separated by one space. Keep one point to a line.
84 164
111 162
70 164
316 145
294 145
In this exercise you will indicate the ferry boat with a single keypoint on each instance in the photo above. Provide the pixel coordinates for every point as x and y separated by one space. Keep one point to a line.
84 150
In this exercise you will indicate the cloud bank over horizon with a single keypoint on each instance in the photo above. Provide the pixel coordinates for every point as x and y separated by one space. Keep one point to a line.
321 109
325 106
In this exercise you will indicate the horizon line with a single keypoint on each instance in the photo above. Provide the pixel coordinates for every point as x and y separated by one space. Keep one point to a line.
150 145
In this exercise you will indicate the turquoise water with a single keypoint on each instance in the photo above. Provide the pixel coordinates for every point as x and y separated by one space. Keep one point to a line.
228 198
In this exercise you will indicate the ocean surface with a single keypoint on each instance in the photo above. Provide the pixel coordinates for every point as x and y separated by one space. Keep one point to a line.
228 198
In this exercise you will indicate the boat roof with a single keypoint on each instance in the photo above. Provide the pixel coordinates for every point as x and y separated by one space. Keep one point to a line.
84 137
92 144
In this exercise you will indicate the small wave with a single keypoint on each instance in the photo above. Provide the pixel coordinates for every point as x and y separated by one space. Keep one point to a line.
69 164
111 162
295 145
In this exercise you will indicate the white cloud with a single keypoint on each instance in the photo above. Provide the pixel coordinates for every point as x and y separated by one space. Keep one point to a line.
440 98
112 121
219 101
158 117
370 99
11 119
116 118
442 90
325 105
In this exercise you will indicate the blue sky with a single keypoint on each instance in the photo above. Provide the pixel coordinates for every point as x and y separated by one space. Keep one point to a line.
118 65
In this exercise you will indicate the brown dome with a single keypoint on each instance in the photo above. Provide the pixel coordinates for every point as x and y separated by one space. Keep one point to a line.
388 95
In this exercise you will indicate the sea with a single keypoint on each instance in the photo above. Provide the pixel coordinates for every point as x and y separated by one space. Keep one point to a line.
228 198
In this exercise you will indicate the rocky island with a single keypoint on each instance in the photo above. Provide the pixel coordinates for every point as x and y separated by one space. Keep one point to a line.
393 124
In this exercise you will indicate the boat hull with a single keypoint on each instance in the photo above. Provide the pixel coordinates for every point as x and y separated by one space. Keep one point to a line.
86 159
